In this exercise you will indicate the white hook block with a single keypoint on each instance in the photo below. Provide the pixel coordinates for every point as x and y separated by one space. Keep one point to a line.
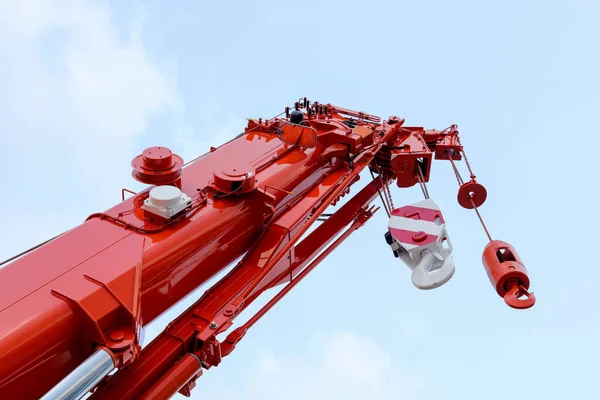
425 277
419 238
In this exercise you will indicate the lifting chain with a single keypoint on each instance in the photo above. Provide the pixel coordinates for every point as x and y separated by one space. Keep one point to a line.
389 196
468 165
466 189
458 177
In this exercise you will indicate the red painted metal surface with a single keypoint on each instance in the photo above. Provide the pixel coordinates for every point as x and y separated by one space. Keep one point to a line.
156 166
405 236
471 195
175 379
256 196
507 274
218 305
161 268
419 213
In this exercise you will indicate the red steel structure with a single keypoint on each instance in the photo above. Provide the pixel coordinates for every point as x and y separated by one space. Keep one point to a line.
72 309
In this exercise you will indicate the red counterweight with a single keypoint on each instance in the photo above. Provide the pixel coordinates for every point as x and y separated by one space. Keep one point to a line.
507 274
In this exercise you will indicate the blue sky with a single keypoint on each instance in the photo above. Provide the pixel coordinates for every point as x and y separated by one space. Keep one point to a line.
86 86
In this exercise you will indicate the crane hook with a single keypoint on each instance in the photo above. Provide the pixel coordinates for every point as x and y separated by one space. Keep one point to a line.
425 278
513 295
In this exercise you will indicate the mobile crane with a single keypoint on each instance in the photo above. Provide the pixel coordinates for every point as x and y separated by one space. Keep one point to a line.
72 309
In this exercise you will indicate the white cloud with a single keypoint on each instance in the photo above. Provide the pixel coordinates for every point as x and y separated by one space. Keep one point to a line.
338 366
73 83
76 91
214 125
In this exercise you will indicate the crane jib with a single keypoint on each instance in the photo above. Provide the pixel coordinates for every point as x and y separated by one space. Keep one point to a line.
280 196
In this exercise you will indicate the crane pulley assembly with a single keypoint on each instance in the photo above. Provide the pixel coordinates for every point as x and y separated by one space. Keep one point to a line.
73 309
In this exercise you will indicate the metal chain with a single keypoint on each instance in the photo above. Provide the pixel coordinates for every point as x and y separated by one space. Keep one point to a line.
389 195
468 165
461 182
458 177
385 184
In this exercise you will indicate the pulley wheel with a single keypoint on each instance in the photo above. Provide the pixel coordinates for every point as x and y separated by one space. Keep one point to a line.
471 190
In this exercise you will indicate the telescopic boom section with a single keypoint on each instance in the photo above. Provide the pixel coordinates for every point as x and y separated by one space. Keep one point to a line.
88 293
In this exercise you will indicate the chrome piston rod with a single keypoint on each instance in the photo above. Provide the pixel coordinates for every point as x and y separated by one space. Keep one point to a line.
84 378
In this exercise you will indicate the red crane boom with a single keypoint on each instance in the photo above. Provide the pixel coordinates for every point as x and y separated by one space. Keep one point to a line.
72 309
